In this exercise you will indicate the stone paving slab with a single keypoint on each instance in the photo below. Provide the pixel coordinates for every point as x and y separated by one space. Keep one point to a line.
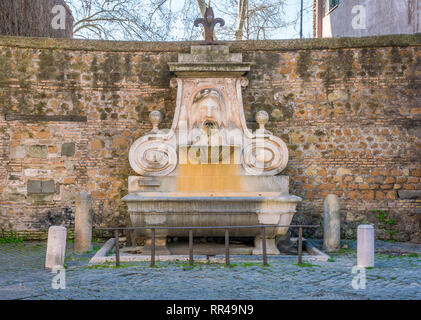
17 292
397 275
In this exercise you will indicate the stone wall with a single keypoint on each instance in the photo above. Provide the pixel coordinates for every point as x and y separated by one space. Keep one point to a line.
349 110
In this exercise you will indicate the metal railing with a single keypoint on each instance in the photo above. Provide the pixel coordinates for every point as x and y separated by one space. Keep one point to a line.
227 248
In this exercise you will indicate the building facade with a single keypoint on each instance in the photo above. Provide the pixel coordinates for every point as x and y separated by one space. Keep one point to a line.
359 18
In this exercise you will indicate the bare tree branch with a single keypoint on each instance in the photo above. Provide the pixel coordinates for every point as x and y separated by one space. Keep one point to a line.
163 20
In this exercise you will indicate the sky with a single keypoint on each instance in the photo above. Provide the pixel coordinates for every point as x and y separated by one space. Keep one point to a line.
291 9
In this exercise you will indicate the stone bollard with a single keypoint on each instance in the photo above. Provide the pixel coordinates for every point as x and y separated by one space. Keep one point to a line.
56 246
83 223
365 245
332 223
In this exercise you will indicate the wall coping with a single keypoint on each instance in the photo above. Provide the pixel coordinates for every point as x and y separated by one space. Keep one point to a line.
235 46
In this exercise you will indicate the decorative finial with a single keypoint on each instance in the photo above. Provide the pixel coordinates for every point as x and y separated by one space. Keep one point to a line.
155 118
262 117
209 21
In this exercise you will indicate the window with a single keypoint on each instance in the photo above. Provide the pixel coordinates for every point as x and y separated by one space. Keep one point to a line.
334 3
330 4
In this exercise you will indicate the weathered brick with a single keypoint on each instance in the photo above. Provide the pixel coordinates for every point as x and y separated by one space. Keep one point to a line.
400 179
389 180
386 186
380 195
52 149
367 195
97 144
379 179
355 195
364 186
98 195
413 180
391 195
409 187
69 180
343 171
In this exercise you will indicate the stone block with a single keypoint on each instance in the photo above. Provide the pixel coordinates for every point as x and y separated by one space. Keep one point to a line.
16 197
70 167
48 186
332 223
68 149
68 193
37 173
311 171
409 194
97 144
210 53
83 223
34 186
38 151
365 245
379 179
18 152
39 186
343 171
271 248
56 246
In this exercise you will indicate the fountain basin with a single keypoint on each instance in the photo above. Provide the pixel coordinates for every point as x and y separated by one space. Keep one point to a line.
178 209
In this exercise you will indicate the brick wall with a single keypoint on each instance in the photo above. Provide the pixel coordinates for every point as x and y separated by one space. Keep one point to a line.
349 110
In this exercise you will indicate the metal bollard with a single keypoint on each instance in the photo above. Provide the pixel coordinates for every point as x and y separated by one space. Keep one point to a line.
300 246
191 248
117 249
227 247
265 258
153 249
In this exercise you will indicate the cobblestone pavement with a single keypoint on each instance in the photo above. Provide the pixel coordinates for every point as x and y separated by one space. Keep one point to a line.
397 275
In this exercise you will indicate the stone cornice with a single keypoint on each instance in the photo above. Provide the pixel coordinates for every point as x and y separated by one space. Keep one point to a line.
235 46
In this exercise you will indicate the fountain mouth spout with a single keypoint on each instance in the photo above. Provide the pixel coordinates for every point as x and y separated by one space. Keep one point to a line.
210 124
211 127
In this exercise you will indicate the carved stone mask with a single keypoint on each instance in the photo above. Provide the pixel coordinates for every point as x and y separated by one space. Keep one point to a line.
208 109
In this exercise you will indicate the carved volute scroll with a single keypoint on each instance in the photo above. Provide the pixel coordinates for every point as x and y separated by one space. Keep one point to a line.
265 154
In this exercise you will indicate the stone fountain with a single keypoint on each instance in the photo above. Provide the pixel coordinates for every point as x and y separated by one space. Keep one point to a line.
209 169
